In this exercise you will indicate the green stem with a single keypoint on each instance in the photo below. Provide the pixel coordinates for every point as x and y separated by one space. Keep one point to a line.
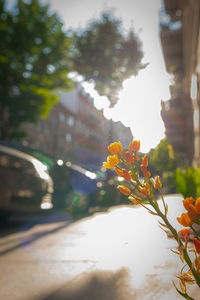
154 199
172 229
146 207
135 176
185 253
143 204
163 201
184 295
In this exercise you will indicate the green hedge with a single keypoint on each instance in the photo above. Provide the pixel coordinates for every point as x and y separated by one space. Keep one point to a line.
188 181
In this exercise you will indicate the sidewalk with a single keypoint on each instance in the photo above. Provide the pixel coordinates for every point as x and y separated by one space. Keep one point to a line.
118 255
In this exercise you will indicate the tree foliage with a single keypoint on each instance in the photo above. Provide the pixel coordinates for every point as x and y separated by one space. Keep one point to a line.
162 158
188 181
33 64
163 162
105 56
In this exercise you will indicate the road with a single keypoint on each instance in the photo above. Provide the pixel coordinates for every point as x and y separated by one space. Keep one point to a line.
121 254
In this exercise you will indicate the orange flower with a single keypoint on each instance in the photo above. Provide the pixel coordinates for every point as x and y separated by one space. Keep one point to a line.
124 190
197 244
145 161
119 172
144 166
184 234
126 175
129 158
134 146
145 172
187 201
192 213
184 220
145 190
135 199
112 161
137 158
115 148
157 184
197 205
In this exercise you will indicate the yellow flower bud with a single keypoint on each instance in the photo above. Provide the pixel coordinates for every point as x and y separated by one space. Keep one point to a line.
112 161
115 148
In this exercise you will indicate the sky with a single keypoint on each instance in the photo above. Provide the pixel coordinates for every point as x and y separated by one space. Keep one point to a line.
140 100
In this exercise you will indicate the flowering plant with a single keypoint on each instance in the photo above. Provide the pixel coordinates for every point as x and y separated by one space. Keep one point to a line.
141 190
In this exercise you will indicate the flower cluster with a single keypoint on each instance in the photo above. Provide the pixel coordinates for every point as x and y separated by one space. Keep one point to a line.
123 159
140 189
193 212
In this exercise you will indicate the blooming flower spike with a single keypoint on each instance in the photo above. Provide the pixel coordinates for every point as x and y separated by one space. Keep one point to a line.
142 189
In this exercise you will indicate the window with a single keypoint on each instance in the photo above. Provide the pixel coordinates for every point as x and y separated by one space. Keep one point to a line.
68 137
194 87
196 118
70 121
62 117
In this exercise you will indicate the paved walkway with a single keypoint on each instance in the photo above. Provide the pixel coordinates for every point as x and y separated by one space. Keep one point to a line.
118 255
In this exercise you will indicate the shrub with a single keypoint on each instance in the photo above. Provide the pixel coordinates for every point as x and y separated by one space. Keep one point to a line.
188 181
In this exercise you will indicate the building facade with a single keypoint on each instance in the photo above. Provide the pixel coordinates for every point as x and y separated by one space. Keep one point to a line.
76 131
180 41
54 135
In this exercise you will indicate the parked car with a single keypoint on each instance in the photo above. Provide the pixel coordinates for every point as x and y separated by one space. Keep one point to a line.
70 180
25 184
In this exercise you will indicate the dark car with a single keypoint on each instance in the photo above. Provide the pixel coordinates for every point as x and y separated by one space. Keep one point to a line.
25 184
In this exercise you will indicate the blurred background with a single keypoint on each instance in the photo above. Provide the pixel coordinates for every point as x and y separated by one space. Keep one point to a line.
78 75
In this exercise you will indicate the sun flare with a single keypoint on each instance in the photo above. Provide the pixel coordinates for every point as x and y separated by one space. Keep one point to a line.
139 106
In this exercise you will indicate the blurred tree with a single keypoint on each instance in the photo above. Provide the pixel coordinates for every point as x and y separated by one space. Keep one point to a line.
188 181
104 55
163 162
33 64
162 158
